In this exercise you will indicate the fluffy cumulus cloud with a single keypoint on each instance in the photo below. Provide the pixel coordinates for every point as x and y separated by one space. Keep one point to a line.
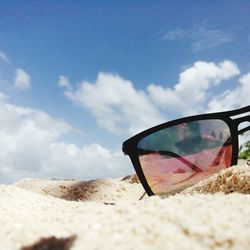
31 145
32 142
22 80
119 107
115 103
191 94
230 99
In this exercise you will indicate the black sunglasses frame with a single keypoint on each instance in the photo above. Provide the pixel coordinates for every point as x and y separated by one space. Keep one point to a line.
129 146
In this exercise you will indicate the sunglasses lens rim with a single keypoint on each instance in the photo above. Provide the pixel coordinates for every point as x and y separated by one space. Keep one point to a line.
130 146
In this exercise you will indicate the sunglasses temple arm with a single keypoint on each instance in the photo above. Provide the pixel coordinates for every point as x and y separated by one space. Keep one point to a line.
220 153
144 193
241 131
183 160
174 155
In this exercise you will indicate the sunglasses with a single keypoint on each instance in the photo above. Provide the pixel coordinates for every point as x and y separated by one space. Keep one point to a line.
174 155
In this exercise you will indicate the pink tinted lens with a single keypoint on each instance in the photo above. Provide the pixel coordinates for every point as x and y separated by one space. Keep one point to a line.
182 155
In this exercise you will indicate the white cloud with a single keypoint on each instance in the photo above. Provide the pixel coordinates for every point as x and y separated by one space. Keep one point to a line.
116 104
4 57
119 107
91 161
234 98
202 38
22 80
31 145
190 95
64 82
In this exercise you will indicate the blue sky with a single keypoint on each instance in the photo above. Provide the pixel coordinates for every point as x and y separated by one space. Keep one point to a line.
79 77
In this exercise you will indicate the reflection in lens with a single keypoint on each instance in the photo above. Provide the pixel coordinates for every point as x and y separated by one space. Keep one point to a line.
180 156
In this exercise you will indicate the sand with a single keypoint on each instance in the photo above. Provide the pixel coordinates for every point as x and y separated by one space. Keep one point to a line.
106 214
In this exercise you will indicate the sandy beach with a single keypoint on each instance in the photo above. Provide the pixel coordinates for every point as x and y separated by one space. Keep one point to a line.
106 214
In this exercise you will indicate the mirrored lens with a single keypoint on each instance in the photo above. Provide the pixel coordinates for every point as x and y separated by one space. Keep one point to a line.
180 156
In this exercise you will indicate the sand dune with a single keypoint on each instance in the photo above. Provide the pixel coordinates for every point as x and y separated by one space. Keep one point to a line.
214 214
